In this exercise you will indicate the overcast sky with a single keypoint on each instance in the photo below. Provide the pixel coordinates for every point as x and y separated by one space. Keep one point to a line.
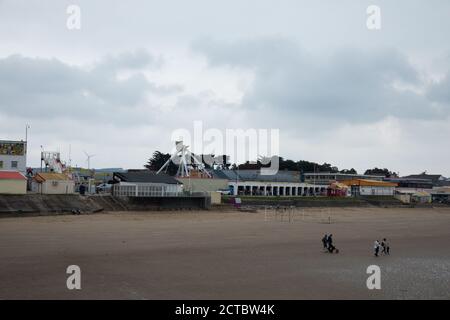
138 70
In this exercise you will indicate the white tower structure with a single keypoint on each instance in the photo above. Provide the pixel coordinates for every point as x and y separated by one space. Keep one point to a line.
183 158
52 161
88 159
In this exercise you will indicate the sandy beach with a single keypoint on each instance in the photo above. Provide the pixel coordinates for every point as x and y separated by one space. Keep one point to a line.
227 255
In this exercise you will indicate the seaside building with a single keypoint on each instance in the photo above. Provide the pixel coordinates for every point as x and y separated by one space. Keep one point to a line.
327 178
441 194
411 183
252 183
365 187
145 184
338 189
437 180
13 156
214 187
52 183
12 182
413 196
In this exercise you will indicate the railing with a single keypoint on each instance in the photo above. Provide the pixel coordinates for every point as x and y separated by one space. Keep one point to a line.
143 191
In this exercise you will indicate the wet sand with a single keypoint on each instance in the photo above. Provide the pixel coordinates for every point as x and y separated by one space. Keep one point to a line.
227 255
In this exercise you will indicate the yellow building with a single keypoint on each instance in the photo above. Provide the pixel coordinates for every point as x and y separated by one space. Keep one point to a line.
365 187
12 182
53 183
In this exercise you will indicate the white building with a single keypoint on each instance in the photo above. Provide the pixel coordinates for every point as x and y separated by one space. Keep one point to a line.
12 182
364 187
145 184
13 156
326 178
53 183
284 183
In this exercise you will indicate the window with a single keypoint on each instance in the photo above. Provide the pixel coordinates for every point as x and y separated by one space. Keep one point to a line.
14 164
1 164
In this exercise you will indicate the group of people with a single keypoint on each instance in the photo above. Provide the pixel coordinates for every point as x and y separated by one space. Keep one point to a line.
328 246
379 247
382 246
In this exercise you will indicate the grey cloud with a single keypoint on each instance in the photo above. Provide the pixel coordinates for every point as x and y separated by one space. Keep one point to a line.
440 92
37 87
343 85
129 60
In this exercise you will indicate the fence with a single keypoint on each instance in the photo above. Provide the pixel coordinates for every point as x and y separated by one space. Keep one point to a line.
293 214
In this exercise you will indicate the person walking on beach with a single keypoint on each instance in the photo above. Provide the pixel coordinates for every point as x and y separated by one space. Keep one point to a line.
325 241
386 247
330 246
383 247
329 240
376 247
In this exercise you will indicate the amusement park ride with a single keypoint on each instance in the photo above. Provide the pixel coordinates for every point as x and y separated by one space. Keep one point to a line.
187 162
52 161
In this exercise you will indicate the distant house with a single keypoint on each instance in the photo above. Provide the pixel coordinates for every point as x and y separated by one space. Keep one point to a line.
13 155
366 187
52 183
411 183
145 184
326 178
441 194
253 183
412 196
337 189
12 182
436 179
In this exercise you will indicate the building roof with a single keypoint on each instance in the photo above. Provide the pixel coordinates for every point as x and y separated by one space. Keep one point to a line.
433 177
11 175
421 194
368 183
255 175
410 180
144 176
46 176
322 177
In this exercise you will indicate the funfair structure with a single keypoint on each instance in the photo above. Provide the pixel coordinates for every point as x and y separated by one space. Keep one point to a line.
52 161
186 161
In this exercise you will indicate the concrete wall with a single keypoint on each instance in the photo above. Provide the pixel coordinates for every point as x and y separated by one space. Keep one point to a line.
43 204
405 198
13 186
376 191
203 185
37 204
158 203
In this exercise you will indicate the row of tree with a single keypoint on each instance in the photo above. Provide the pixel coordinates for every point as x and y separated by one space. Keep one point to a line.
222 162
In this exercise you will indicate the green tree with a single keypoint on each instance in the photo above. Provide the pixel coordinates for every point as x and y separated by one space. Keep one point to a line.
349 171
157 161
380 172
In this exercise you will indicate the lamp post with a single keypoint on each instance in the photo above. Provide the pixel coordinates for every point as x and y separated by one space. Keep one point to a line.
27 126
